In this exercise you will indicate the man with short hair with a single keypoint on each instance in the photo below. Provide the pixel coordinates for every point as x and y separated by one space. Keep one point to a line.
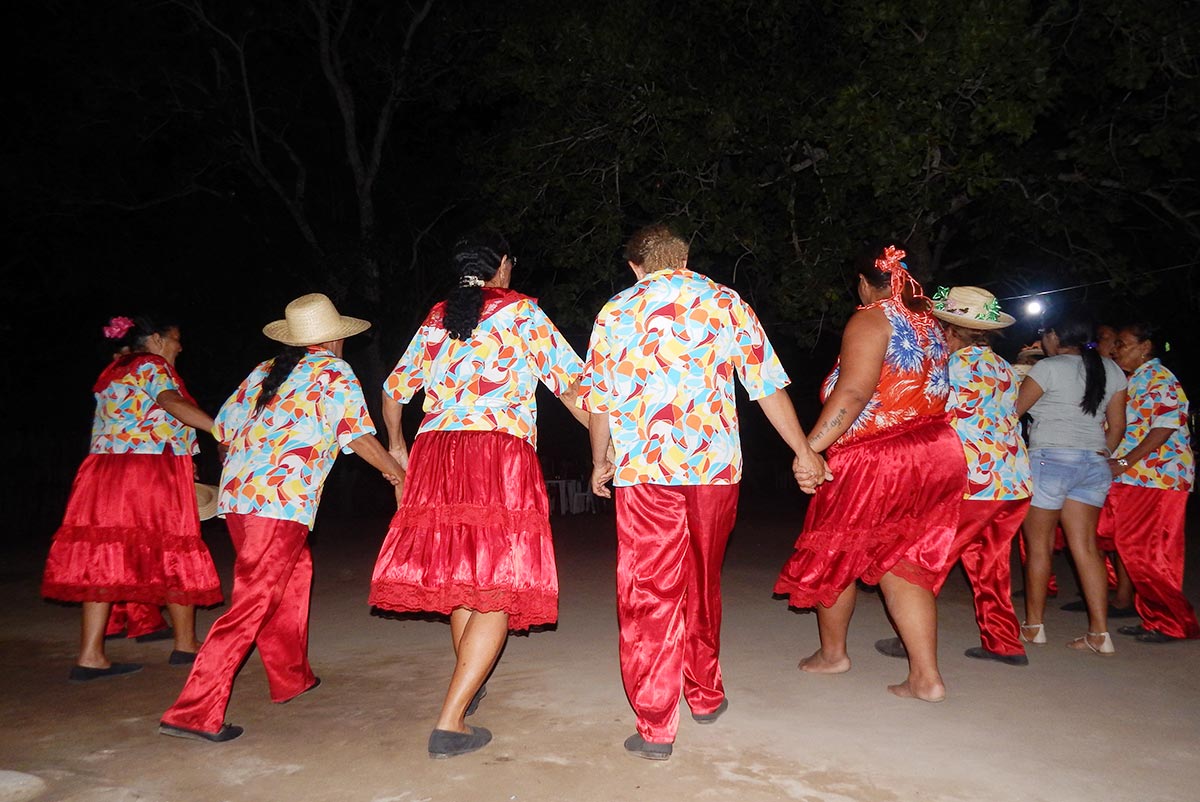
659 387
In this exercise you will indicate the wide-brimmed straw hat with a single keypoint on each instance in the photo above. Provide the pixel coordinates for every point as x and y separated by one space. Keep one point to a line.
971 308
312 319
206 501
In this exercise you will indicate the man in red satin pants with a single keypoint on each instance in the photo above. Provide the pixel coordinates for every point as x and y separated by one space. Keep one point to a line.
659 387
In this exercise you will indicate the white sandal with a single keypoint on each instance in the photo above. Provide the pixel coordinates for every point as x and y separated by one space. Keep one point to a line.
1039 635
1105 648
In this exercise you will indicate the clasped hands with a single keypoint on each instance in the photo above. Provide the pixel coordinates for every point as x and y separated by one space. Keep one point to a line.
810 471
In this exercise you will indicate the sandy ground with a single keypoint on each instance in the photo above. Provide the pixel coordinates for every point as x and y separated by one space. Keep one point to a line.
1068 727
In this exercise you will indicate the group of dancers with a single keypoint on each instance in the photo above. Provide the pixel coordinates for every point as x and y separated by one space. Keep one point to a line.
917 461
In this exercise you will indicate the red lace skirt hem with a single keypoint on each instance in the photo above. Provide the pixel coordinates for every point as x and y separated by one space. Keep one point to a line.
131 532
473 530
892 507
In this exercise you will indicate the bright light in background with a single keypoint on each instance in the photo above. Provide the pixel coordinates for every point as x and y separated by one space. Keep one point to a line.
1034 307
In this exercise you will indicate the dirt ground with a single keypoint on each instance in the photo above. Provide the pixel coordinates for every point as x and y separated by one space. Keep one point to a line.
1068 727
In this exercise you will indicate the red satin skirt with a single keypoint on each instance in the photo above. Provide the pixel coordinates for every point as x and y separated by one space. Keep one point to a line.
131 533
473 530
892 507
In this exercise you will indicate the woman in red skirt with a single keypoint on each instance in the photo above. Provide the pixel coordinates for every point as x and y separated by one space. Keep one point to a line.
472 536
131 531
890 513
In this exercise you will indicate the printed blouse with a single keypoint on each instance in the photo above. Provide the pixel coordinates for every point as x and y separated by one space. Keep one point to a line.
278 459
488 381
661 363
983 412
913 382
1156 401
128 419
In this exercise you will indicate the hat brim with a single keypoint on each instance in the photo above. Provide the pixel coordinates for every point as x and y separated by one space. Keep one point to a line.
1003 322
346 327
206 501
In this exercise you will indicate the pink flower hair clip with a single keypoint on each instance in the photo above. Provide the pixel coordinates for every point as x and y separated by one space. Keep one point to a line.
117 328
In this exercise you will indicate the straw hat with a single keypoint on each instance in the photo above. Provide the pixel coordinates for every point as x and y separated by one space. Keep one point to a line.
206 500
971 308
312 319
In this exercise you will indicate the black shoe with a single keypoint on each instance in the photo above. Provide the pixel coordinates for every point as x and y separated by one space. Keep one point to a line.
1133 629
313 687
179 658
1077 606
447 743
980 653
1123 612
709 718
85 674
166 633
476 699
637 745
892 647
227 733
1154 636
115 635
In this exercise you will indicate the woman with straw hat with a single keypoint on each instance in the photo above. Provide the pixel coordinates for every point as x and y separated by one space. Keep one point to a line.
283 428
983 412
472 536
890 513
131 531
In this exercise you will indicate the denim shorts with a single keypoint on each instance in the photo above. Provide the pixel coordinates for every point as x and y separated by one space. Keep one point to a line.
1069 473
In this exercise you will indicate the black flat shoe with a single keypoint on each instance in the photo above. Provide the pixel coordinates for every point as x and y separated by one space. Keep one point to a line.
637 745
159 634
85 674
447 743
892 647
709 718
476 699
1077 606
1154 636
1132 629
179 658
1123 612
227 733
980 653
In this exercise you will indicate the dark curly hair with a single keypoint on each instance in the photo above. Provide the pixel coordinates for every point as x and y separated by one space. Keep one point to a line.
477 256
143 328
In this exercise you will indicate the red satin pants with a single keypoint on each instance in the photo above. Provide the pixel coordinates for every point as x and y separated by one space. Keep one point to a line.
272 578
133 619
984 544
1147 524
670 546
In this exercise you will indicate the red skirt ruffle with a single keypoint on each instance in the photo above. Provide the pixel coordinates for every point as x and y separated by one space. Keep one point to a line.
473 530
131 533
892 507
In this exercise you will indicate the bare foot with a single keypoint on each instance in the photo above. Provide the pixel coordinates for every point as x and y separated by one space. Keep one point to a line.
818 663
926 692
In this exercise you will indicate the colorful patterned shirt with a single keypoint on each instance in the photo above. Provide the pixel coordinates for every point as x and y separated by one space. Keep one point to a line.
278 460
983 410
487 382
1156 401
128 419
912 383
661 363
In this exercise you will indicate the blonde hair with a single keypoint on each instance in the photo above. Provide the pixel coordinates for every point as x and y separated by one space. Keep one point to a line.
655 248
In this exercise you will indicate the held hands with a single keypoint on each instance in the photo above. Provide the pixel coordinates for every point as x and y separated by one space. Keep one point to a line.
401 456
602 472
810 471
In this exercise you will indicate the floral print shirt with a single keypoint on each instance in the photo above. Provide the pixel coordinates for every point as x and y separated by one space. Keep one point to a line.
1156 401
278 459
983 412
128 419
913 382
661 363
486 382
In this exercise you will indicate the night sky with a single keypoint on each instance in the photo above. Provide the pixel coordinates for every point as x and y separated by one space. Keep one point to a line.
196 161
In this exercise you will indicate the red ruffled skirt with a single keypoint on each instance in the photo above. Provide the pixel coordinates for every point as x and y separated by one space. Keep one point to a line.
892 507
473 530
131 533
